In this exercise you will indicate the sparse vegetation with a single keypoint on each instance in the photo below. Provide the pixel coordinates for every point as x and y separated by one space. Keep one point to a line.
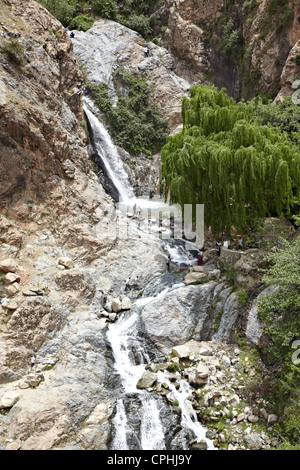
14 51
80 15
136 123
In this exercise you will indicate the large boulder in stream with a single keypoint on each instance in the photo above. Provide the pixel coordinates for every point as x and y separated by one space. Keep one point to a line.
147 380
180 315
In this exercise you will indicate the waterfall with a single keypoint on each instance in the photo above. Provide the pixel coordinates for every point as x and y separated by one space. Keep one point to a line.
131 358
108 154
120 425
189 418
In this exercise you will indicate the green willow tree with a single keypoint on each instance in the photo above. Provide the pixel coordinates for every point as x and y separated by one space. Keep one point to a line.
224 159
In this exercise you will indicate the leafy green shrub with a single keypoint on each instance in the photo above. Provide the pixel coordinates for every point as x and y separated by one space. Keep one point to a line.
14 51
231 38
63 10
281 311
285 116
274 4
284 13
242 296
139 23
81 23
250 5
136 123
105 8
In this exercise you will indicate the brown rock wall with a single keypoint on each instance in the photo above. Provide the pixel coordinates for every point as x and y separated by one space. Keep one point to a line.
40 101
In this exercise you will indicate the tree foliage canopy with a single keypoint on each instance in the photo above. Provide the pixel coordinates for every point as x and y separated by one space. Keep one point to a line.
280 313
239 169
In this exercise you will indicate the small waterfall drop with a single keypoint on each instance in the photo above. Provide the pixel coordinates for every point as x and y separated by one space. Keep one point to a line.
130 360
108 153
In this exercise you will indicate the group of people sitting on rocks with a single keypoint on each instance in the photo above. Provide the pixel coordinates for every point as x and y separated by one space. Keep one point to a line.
237 246
131 284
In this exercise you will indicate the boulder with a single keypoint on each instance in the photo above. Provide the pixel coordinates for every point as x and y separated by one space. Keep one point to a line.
147 380
202 372
116 305
10 305
126 303
201 445
199 269
66 262
226 361
11 290
8 265
272 419
112 317
181 351
9 399
10 278
253 441
32 291
194 277
34 379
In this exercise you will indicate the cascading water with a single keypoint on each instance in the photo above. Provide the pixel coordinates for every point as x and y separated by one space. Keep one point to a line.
138 422
131 358
108 154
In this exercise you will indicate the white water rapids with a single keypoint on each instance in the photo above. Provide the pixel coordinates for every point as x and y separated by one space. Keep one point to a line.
129 350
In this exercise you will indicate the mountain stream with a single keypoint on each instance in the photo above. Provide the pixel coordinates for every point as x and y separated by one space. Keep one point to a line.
142 419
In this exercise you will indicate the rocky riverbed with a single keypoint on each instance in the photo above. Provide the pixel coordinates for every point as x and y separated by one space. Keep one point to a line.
225 393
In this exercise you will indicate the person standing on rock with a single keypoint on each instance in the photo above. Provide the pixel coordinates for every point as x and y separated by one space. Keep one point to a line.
168 263
136 282
32 361
104 298
127 284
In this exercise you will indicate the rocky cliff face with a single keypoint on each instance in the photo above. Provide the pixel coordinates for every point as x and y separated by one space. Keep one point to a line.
107 47
40 104
242 46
